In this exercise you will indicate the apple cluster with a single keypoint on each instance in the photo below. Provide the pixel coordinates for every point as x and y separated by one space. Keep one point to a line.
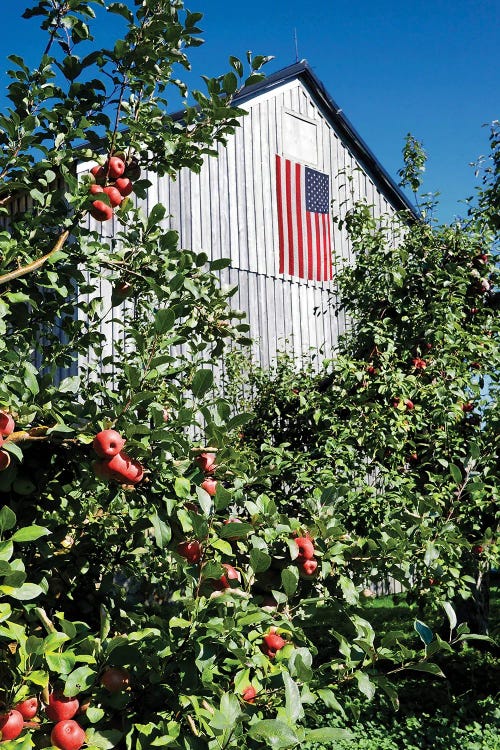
112 179
67 734
308 565
6 428
114 464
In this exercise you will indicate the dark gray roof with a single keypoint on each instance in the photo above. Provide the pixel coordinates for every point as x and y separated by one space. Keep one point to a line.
341 125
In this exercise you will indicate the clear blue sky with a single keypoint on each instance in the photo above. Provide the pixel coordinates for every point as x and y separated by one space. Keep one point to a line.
397 66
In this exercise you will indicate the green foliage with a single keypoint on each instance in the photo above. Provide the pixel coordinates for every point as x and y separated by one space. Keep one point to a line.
198 592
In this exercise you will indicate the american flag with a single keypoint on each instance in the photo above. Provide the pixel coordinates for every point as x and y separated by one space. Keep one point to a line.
304 223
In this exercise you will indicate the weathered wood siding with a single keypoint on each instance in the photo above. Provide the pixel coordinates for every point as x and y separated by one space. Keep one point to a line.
230 210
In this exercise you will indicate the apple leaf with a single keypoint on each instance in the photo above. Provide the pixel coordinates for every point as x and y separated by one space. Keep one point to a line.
276 733
202 382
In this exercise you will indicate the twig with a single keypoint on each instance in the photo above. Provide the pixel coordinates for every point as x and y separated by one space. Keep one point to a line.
36 263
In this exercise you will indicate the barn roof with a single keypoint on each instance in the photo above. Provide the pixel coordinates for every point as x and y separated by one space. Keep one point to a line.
364 155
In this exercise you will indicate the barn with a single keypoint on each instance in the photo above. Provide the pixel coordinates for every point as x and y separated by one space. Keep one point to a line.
266 203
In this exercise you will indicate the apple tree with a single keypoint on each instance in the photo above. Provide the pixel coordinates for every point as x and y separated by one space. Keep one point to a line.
397 437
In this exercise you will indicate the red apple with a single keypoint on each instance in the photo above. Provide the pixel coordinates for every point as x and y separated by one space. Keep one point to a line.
478 549
192 551
249 694
68 735
7 424
11 725
124 186
206 462
231 574
122 290
210 486
99 174
96 189
306 548
468 407
60 707
409 404
419 364
371 370
126 469
308 568
115 167
114 195
28 708
101 211
271 644
115 679
108 443
4 459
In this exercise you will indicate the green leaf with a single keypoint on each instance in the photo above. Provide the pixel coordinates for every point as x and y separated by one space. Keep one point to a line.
23 593
424 631
182 487
236 530
293 704
30 379
7 518
427 667
455 473
259 560
365 685
82 678
330 701
104 739
228 714
276 733
156 215
38 677
121 10
230 83
431 553
162 531
348 590
300 664
54 641
290 580
205 501
202 382
450 613
14 449
63 663
29 533
164 320
219 263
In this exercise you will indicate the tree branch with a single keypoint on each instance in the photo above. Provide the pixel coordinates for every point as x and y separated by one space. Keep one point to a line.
36 263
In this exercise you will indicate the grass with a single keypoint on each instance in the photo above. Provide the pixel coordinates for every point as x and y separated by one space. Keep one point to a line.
460 712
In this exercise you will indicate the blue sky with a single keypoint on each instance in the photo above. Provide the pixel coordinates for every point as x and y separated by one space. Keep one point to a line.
396 66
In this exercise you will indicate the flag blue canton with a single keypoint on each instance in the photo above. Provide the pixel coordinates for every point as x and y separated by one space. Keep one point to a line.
317 191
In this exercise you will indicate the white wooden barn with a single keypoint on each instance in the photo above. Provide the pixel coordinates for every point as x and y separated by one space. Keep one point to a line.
267 203
237 207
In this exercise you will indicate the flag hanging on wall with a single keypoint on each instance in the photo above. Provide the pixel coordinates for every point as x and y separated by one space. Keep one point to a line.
304 223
